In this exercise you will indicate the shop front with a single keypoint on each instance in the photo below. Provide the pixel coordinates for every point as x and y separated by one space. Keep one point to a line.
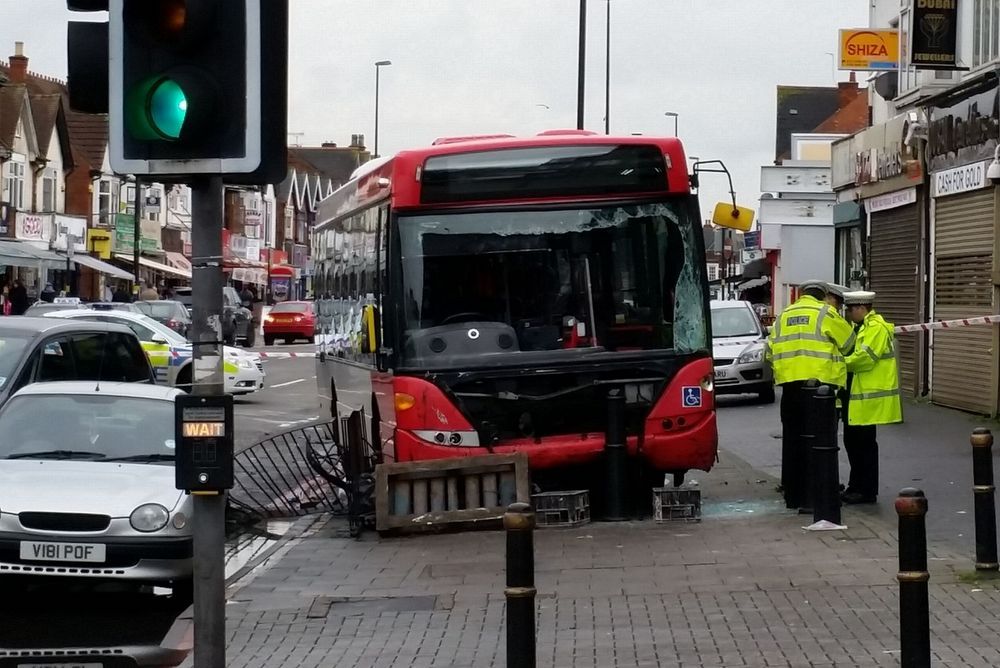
33 235
962 137
881 245
154 269
242 263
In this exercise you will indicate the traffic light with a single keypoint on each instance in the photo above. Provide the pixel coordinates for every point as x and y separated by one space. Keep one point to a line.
197 87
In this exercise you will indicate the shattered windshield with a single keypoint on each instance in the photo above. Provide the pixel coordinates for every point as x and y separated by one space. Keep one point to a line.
482 287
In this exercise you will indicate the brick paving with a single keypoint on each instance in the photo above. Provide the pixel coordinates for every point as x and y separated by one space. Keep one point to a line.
744 587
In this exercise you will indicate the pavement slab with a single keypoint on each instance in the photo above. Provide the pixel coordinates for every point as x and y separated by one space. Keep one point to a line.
746 586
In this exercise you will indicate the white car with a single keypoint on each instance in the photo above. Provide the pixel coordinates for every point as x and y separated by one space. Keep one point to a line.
87 484
738 339
171 354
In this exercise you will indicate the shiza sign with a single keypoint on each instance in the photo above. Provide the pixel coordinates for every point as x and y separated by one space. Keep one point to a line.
866 49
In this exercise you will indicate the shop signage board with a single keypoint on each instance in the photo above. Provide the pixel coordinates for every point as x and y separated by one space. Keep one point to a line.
866 49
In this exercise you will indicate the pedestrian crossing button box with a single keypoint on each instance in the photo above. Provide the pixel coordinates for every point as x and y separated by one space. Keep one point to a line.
204 437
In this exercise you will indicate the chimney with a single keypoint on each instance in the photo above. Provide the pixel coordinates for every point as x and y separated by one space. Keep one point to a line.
847 91
358 142
18 64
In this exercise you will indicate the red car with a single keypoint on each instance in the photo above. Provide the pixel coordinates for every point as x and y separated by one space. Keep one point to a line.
290 321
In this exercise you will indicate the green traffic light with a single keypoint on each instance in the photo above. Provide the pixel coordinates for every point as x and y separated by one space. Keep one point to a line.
157 109
167 108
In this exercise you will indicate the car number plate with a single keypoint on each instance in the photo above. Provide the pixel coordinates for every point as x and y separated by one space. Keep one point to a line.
46 551
60 665
720 373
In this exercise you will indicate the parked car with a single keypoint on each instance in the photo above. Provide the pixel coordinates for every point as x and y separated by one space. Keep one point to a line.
738 339
50 349
171 354
235 317
171 313
41 308
289 321
87 485
116 306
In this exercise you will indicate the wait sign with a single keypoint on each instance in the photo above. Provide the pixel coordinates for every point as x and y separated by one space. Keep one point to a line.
204 429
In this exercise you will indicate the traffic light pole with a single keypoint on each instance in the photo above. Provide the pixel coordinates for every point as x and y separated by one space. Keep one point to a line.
208 523
136 237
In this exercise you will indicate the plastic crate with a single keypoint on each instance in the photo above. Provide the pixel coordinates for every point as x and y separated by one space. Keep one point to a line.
671 504
561 509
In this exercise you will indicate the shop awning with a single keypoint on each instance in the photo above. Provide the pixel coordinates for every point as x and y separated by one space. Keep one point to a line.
178 261
156 266
103 267
754 283
17 254
256 276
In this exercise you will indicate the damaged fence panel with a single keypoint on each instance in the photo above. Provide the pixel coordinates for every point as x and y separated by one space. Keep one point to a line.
457 493
319 468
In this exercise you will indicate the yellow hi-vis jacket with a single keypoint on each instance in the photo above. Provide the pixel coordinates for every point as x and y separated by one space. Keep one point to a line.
875 387
810 340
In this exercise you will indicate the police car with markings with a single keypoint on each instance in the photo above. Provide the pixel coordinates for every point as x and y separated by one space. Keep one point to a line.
171 354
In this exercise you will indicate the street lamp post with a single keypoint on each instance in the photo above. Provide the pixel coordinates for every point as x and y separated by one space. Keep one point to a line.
378 66
607 73
672 114
581 65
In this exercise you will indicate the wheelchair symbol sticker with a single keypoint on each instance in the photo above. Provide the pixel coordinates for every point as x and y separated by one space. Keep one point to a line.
691 397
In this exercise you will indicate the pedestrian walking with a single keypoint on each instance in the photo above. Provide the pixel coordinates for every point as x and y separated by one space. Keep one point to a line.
809 341
873 397
19 298
149 294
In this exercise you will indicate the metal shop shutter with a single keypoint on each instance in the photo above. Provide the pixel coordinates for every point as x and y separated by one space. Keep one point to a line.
895 277
962 365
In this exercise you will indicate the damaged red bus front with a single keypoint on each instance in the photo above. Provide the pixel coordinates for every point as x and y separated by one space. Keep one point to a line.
486 295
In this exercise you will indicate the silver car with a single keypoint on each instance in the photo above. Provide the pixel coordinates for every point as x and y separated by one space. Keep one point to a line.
738 348
87 485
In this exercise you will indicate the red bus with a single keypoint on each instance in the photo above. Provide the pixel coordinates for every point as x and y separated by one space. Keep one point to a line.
482 295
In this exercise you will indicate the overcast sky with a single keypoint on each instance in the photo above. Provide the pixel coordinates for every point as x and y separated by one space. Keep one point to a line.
486 66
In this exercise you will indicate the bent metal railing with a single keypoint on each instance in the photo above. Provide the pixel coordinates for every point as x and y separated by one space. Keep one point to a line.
308 470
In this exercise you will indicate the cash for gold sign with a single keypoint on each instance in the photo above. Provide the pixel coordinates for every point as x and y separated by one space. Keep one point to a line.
204 429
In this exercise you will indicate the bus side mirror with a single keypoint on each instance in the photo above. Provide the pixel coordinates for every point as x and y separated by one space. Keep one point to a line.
733 217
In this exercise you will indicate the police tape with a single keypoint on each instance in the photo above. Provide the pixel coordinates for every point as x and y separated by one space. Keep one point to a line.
949 324
285 356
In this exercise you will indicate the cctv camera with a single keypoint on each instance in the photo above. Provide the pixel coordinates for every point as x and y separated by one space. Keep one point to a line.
993 173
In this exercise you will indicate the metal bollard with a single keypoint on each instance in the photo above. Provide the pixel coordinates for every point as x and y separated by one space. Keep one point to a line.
984 493
800 494
914 611
824 466
519 523
615 458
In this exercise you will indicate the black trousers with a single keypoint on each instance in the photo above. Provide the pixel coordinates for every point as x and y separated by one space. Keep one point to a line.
862 452
794 456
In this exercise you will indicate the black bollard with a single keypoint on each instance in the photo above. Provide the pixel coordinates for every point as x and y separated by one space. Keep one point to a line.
824 466
984 493
615 458
799 494
914 611
519 523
